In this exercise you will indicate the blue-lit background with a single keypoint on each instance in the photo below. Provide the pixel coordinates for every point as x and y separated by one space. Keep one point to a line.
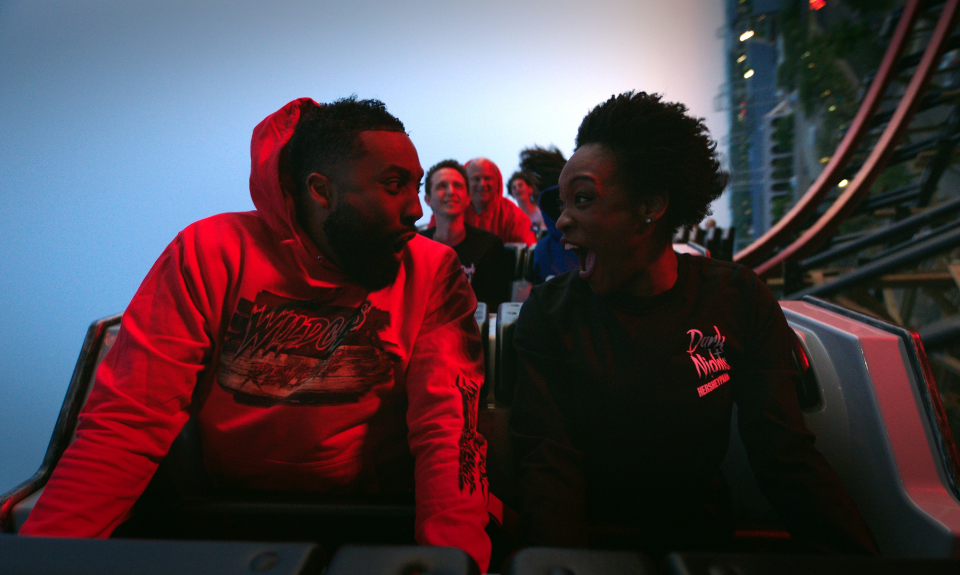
122 121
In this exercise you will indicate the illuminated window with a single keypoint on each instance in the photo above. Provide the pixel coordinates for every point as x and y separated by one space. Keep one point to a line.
817 4
746 35
741 58
843 183
748 73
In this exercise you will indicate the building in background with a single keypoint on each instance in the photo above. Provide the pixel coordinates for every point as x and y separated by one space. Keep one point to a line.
796 72
751 93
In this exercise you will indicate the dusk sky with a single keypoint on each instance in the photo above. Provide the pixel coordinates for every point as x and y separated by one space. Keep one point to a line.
122 121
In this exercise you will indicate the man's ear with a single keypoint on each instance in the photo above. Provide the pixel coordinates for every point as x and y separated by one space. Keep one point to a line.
319 188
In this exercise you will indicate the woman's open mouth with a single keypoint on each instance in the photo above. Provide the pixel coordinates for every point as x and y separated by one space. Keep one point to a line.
587 258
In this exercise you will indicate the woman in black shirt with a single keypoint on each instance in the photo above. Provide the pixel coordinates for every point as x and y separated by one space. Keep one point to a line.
630 366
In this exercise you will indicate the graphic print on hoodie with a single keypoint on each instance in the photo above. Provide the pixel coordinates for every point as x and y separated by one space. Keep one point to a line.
304 352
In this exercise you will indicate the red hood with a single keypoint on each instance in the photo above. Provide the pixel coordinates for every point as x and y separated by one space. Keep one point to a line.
271 198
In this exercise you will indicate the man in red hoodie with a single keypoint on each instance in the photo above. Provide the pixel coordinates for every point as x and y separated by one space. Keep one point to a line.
321 343
489 210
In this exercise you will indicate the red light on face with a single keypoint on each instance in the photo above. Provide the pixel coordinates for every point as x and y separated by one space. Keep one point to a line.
817 4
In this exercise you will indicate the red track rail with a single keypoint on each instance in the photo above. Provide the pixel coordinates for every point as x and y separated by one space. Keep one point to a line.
754 253
877 160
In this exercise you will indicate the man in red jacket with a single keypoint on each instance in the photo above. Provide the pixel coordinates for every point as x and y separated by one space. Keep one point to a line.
489 210
321 343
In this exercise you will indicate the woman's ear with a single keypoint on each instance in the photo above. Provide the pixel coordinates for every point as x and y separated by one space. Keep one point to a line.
655 206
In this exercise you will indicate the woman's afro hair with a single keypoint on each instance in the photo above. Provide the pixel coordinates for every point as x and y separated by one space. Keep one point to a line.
659 148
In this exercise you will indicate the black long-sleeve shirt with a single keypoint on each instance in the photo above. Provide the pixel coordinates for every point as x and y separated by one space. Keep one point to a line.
485 263
623 409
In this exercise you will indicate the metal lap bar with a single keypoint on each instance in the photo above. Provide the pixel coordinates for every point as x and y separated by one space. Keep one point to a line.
853 193
83 556
833 172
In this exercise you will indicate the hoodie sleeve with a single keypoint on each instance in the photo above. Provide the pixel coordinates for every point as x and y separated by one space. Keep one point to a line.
443 385
138 404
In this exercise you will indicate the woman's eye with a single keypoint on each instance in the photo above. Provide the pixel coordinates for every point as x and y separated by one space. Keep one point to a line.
580 198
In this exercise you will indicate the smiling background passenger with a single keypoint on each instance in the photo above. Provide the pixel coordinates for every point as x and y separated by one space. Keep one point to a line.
630 366
481 253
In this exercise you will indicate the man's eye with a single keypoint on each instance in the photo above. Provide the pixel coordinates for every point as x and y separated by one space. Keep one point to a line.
393 185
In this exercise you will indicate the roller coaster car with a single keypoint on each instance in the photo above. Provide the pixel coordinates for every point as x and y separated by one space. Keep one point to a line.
865 390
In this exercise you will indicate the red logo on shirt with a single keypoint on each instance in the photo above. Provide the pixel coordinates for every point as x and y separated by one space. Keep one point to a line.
706 353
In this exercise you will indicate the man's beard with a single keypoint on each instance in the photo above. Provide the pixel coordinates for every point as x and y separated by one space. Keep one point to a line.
365 250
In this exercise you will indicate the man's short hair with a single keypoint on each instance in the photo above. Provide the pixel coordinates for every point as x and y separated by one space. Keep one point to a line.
659 148
428 181
328 134
546 163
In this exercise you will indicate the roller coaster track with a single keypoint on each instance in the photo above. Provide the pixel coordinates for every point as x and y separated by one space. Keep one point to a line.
758 253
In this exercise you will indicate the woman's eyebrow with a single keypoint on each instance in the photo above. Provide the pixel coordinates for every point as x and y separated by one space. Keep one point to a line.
584 177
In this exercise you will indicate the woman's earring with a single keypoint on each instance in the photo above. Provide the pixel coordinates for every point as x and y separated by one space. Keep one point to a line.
649 220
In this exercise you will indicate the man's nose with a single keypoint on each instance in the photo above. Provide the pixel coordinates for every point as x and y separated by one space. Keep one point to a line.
412 210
